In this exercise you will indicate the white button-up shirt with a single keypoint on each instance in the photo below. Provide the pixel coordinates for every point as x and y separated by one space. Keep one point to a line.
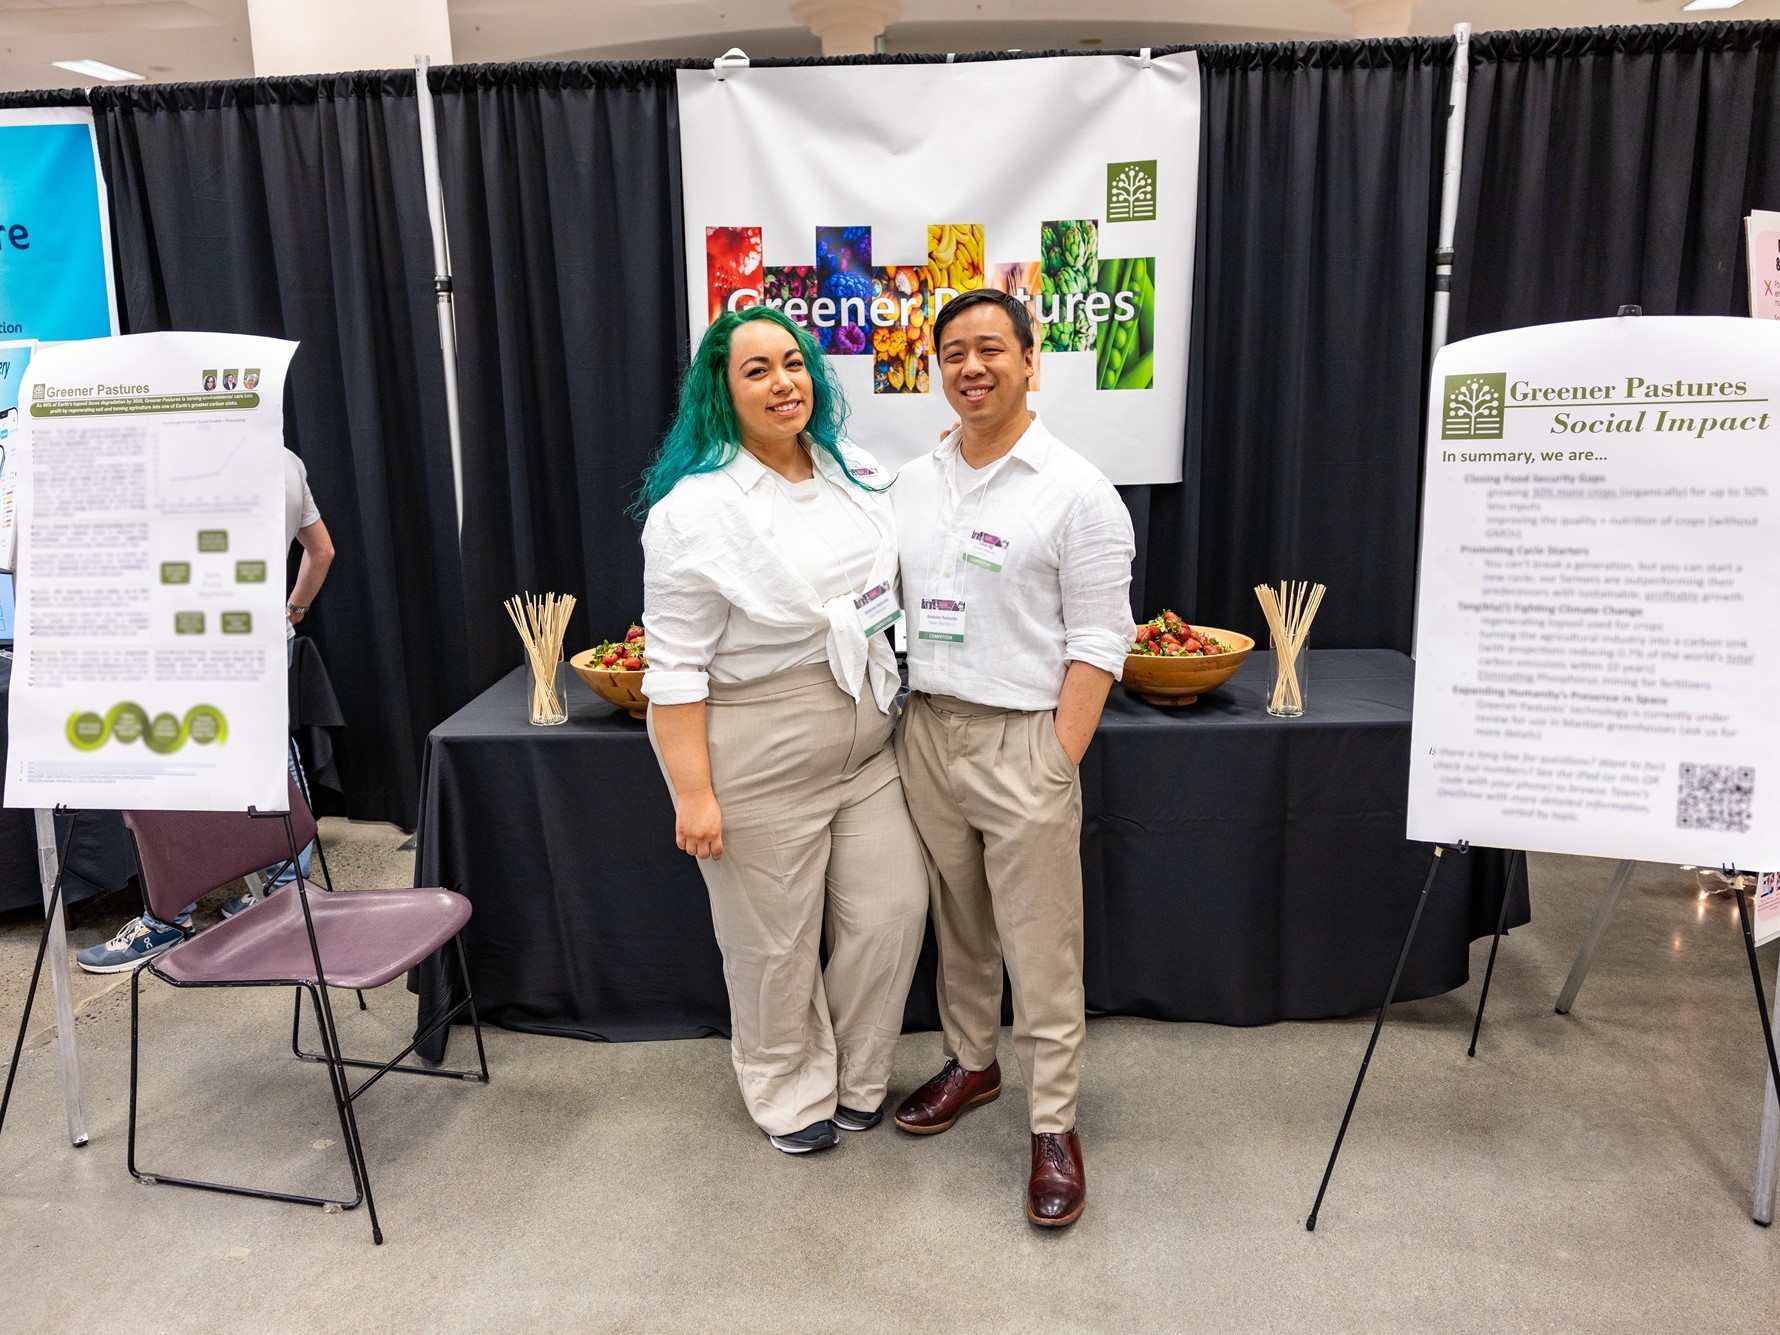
721 599
1062 538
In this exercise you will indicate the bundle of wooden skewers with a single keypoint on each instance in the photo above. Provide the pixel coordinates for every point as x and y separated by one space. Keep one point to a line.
542 621
1289 611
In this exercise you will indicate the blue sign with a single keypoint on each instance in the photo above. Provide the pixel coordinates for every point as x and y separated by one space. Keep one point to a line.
55 262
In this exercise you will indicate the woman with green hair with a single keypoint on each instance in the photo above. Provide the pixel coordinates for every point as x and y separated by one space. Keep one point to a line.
770 573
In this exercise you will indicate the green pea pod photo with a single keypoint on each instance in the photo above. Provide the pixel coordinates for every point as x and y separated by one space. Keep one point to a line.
1123 353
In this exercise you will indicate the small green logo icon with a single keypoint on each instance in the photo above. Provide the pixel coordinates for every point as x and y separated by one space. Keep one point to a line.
1472 408
37 391
250 572
213 539
1131 191
176 572
188 623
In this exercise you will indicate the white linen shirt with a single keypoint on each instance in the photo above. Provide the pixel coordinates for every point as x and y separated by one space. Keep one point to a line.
722 600
1063 592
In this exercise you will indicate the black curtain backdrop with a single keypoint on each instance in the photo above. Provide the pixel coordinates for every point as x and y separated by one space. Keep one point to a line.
295 208
563 210
1614 166
1318 206
1601 167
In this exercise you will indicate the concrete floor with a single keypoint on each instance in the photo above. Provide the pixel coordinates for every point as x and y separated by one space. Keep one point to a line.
1589 1173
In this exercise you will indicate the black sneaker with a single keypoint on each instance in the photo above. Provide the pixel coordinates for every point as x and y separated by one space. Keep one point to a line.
850 1119
819 1136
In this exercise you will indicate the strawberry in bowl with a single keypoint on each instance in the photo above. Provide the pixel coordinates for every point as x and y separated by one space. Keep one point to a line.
1172 662
1167 636
614 669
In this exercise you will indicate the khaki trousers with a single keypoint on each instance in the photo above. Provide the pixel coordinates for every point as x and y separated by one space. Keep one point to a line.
999 808
817 849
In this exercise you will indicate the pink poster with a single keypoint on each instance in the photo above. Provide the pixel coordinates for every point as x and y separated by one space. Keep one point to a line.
1767 907
1762 231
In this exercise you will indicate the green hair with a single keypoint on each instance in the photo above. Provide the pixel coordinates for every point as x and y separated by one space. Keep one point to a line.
705 435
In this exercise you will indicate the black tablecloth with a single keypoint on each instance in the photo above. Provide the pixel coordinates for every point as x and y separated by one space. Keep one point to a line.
1237 868
99 858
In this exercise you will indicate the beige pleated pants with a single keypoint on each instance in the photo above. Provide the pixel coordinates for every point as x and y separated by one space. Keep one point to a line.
999 807
817 849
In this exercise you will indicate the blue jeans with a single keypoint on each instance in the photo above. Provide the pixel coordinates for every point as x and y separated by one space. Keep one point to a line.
285 872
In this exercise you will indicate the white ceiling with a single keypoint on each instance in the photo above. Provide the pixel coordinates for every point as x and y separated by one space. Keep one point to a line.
177 40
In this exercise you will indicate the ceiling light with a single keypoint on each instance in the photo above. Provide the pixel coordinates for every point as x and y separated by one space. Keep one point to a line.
96 69
1710 4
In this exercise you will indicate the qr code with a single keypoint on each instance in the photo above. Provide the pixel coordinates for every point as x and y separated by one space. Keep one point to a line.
1715 797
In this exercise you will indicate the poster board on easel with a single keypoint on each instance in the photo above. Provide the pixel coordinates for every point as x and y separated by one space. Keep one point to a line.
149 656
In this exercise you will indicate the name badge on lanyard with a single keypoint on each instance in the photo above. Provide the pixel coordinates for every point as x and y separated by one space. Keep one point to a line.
877 609
942 619
985 550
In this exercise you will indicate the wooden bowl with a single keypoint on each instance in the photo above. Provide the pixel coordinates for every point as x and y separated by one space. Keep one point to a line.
1180 681
624 689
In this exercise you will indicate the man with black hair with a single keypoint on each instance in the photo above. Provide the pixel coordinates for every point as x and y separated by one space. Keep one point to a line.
1016 567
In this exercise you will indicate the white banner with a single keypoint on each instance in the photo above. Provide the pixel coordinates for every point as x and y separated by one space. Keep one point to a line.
1598 651
150 656
858 198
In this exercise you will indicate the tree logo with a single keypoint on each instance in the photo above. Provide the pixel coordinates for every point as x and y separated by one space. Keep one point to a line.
1473 407
1131 191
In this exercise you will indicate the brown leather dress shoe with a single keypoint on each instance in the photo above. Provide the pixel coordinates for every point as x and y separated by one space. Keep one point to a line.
1058 1188
942 1100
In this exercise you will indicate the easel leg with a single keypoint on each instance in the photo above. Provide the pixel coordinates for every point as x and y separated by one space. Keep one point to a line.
1495 941
1768 1159
1586 956
1377 1027
1767 1024
49 861
61 986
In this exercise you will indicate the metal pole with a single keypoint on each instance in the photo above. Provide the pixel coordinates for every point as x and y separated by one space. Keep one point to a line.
435 212
61 985
1449 220
1585 957
1765 1162
1490 972
1372 1044
1449 184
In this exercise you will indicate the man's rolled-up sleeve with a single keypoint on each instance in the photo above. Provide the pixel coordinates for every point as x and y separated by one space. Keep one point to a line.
683 618
1094 562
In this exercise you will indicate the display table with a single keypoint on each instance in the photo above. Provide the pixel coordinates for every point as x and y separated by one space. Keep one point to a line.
1238 868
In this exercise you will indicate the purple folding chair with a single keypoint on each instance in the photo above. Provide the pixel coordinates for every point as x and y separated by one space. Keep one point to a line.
302 937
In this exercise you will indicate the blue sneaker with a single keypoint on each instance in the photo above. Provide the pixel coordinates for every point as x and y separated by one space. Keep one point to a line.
137 940
851 1119
817 1136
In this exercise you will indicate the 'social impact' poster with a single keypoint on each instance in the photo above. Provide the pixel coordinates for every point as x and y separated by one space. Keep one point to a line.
1596 648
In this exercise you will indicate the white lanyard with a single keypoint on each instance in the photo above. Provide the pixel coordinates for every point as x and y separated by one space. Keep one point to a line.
877 606
871 536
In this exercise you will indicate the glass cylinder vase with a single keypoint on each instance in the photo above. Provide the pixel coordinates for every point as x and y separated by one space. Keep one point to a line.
550 696
1291 680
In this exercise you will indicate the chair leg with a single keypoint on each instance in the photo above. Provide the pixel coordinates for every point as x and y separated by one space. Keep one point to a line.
336 1068
337 1085
463 969
342 1104
135 1032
